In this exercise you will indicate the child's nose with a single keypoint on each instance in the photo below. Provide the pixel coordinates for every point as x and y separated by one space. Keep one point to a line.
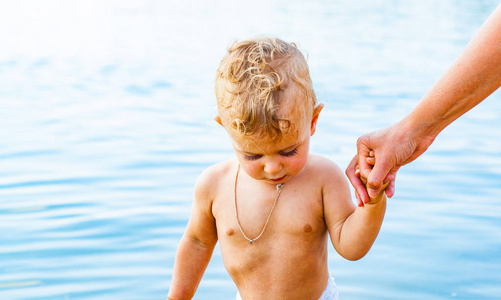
272 166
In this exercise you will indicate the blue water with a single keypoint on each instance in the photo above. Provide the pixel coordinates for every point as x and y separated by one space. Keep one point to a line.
106 111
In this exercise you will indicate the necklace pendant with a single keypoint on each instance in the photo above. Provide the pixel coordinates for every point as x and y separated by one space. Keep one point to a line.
251 241
280 186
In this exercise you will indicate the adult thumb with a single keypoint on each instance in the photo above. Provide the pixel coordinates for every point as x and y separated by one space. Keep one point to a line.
376 177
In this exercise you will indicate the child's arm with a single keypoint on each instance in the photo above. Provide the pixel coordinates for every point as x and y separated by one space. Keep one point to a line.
353 229
196 246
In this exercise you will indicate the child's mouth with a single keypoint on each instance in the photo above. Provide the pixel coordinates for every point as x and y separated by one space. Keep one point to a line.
278 179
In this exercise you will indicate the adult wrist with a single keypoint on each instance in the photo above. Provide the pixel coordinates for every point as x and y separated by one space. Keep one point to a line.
418 127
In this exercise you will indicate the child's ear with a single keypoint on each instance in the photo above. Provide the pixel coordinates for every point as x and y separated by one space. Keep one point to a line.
316 113
218 119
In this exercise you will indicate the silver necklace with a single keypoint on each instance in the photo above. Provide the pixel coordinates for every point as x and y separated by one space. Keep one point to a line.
279 189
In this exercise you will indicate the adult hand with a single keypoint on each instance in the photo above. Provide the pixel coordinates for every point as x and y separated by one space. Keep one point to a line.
381 153
474 76
360 182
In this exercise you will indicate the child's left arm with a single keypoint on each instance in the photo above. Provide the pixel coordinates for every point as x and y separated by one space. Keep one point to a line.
352 229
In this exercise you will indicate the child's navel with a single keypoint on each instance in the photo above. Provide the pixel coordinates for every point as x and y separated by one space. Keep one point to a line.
307 228
230 231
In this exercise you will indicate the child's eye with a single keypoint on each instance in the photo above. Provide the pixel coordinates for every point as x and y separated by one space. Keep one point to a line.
253 157
290 153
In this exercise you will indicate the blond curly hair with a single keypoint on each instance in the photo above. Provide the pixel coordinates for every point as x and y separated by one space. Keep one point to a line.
251 81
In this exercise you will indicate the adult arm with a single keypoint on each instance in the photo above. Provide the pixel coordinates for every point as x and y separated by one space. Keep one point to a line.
473 76
196 246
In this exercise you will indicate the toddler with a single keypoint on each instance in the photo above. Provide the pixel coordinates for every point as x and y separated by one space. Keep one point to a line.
272 207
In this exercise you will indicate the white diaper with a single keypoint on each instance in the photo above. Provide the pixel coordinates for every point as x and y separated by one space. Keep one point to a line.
330 292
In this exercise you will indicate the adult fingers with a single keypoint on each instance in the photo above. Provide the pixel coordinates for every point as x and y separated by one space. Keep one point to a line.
390 189
390 178
363 152
376 177
355 180
360 203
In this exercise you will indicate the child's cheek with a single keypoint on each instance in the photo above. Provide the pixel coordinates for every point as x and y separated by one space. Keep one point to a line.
299 163
252 169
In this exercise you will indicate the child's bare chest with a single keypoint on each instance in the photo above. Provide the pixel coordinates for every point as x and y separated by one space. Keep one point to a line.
294 213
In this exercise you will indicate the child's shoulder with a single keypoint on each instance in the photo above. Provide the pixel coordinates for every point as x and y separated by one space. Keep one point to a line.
220 169
215 175
321 162
324 167
331 178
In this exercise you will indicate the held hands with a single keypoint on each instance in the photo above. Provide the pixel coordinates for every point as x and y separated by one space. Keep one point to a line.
380 154
373 199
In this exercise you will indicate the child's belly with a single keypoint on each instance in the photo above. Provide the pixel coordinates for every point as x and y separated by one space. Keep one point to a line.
282 264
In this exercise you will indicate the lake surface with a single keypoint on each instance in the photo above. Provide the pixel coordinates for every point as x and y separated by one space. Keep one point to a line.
107 107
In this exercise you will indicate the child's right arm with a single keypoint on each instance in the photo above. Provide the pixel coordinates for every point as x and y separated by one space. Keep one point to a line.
196 246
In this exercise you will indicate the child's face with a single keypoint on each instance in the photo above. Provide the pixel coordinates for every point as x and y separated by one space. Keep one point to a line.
275 162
